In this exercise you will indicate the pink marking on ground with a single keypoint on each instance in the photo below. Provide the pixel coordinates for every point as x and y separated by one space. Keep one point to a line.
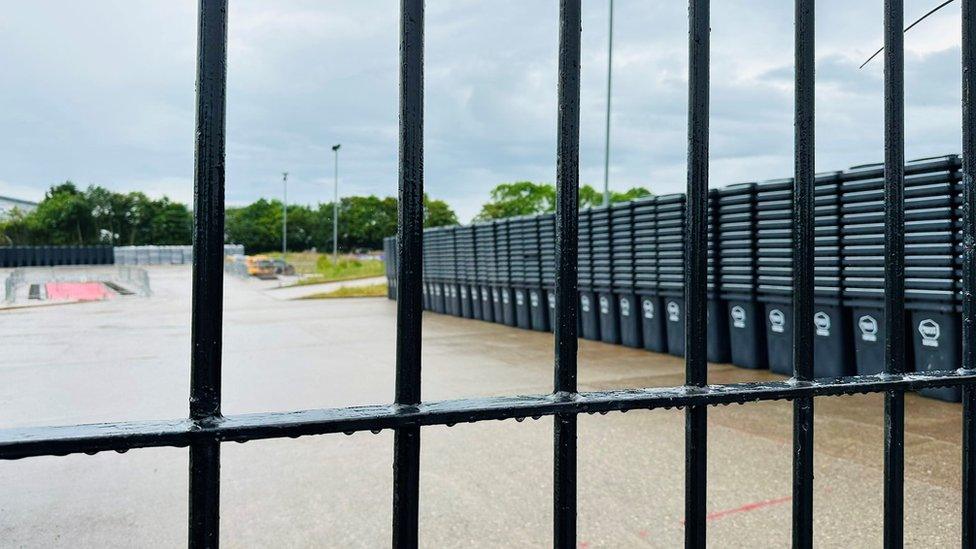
748 507
745 508
79 291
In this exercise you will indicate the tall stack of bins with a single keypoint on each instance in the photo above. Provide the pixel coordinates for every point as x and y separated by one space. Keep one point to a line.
929 197
931 241
670 267
450 263
718 325
934 278
625 295
389 263
738 276
600 243
435 301
631 259
589 318
504 271
547 265
441 258
484 238
465 261
444 248
538 309
653 331
833 352
519 229
428 287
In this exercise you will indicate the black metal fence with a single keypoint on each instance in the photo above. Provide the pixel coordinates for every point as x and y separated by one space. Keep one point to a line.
205 428
49 256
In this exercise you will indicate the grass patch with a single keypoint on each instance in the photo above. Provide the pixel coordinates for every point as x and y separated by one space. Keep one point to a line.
318 267
372 290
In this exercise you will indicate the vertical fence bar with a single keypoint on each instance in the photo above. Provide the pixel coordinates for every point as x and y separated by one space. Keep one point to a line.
695 270
894 306
410 241
208 268
803 263
567 298
968 271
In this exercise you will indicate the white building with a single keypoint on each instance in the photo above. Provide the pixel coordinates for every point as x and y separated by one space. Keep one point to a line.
7 205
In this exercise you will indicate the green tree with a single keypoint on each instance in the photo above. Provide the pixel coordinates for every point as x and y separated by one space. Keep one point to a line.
436 214
64 217
519 198
526 198
630 194
171 224
257 226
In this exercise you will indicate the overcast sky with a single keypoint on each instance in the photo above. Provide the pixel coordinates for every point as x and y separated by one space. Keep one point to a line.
102 92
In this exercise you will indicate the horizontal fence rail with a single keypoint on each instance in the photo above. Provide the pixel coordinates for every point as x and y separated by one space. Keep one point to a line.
100 437
878 226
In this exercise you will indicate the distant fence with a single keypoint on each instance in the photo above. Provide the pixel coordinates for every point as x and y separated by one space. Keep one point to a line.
47 256
163 255
51 256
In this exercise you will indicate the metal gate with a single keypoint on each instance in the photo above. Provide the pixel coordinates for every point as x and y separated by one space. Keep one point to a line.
206 428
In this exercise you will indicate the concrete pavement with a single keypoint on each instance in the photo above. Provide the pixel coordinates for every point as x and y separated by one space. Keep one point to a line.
482 485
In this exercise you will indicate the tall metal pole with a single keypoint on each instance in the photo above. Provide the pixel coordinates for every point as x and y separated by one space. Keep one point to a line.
284 220
335 209
606 143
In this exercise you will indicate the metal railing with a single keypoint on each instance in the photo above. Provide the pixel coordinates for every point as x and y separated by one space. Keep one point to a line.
206 428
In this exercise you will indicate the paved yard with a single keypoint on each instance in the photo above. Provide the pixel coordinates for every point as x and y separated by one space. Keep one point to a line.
483 485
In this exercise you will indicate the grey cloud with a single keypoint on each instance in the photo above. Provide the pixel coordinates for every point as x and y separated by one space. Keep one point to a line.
102 92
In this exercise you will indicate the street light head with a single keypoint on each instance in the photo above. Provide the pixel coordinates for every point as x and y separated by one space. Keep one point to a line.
337 146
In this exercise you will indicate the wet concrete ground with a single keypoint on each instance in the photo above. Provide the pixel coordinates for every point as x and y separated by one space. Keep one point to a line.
483 485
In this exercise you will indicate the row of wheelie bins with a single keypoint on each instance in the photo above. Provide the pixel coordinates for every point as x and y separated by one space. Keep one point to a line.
51 256
390 266
631 272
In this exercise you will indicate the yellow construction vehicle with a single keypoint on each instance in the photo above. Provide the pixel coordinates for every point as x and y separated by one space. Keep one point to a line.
260 266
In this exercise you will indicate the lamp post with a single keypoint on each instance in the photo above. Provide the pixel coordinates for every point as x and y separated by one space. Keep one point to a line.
606 143
335 208
284 220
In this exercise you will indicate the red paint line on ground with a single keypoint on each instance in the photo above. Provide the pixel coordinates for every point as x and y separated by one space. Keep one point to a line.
748 507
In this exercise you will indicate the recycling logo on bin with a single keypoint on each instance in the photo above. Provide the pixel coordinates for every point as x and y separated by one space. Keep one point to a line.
777 321
519 298
648 308
464 292
930 331
534 299
585 301
821 322
673 311
505 298
869 328
494 295
604 305
552 300
738 317
437 290
484 294
624 306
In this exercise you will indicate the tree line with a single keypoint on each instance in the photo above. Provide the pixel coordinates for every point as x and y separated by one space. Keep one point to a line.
363 223
528 198
70 216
